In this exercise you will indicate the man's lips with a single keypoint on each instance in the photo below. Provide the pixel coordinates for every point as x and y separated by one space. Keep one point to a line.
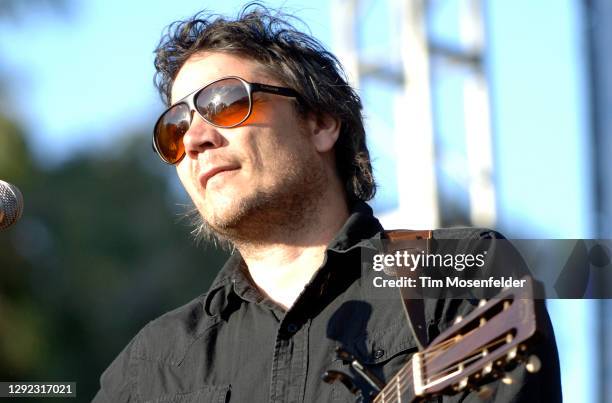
206 175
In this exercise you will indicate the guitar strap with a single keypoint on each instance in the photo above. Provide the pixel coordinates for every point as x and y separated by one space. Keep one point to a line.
412 301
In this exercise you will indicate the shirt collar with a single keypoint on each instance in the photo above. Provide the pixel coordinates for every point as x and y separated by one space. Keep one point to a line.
233 278
357 230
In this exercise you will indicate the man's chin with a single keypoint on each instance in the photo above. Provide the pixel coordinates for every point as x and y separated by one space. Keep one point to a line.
219 220
232 217
224 215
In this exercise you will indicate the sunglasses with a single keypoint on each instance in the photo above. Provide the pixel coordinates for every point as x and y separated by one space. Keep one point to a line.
224 103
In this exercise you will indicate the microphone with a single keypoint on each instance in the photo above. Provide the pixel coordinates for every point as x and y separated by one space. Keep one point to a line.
11 205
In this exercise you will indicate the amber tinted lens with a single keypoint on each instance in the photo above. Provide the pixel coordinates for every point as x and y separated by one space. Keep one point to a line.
224 103
169 133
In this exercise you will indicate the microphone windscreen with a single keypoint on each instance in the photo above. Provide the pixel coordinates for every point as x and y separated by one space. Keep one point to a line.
11 204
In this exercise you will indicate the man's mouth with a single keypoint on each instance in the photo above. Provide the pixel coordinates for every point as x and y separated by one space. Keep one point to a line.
205 176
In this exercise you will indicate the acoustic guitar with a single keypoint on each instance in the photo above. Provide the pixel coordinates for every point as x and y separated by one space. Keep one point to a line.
477 349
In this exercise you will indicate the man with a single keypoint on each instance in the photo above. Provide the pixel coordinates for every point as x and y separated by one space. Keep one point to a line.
268 140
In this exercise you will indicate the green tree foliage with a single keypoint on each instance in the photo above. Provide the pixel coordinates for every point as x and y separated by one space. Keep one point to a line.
99 252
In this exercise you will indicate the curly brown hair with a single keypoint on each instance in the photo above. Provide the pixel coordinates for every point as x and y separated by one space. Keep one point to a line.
296 59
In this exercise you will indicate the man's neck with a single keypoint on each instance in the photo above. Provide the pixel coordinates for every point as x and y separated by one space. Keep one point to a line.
282 269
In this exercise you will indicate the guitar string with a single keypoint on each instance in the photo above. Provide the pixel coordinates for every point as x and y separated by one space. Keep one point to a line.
452 340
443 345
395 388
470 359
438 351
450 369
404 374
477 352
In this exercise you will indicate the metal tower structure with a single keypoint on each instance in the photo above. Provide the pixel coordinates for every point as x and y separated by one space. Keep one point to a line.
418 198
598 15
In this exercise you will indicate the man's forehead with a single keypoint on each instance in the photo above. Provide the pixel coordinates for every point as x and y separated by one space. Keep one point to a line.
202 69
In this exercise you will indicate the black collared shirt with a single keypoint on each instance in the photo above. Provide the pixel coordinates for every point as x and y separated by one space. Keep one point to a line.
232 344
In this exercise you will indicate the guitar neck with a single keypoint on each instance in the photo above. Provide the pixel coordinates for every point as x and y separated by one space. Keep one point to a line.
400 388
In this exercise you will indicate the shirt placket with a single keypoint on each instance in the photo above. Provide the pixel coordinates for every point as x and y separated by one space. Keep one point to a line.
290 362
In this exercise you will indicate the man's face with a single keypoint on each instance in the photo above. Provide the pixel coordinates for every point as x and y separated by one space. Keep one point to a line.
247 172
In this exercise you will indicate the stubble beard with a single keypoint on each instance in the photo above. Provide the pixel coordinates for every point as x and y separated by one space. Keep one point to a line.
273 216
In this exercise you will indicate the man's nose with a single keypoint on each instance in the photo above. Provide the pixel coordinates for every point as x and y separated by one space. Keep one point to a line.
200 137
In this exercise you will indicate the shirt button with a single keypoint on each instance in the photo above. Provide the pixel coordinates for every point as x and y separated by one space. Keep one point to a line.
292 328
379 353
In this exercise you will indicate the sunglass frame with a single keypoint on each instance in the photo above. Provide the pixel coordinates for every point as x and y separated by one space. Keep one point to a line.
190 101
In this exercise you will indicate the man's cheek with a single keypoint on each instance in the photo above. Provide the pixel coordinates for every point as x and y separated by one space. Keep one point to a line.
181 171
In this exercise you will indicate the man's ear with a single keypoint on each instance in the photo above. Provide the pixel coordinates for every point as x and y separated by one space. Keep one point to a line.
324 131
